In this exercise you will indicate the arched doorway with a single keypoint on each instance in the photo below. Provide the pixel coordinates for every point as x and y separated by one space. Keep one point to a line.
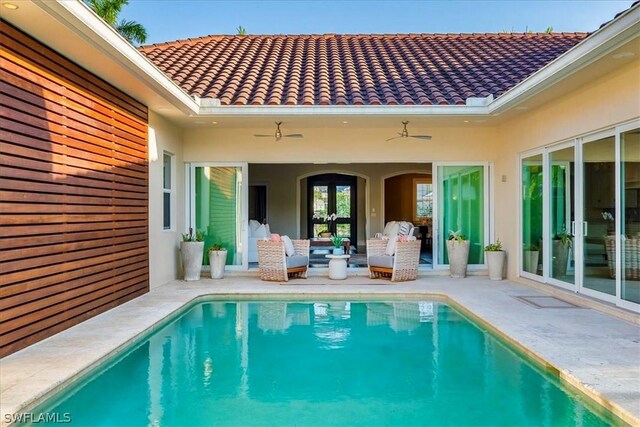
329 194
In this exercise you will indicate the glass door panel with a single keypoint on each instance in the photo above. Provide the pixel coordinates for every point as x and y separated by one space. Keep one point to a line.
332 194
562 214
218 209
630 216
598 225
532 178
320 209
461 207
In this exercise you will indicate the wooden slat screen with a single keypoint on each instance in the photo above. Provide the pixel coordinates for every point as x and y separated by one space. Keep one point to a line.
73 193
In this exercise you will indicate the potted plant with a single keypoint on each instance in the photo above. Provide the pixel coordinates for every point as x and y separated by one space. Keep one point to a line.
495 260
191 250
561 245
458 251
337 245
217 260
530 257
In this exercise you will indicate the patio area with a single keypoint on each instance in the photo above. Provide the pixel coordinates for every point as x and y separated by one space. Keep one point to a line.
563 331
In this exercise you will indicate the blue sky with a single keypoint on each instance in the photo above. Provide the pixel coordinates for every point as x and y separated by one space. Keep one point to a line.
167 20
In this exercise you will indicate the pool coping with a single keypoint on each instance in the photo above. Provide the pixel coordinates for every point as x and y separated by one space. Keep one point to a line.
32 375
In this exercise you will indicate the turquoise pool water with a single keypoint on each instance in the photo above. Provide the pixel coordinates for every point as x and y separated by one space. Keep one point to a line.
328 363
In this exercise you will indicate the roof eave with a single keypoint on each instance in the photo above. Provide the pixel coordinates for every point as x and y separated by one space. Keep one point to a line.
78 17
343 110
606 39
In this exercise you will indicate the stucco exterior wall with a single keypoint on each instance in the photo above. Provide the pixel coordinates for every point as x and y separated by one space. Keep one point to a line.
163 244
337 144
362 151
601 104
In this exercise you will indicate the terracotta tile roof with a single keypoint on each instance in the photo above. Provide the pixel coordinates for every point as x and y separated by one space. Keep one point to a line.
410 69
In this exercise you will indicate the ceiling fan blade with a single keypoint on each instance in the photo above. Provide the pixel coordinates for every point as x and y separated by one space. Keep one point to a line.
259 135
425 137
395 137
293 135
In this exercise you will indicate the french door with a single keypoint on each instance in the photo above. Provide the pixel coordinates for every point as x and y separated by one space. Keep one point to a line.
461 203
328 194
217 203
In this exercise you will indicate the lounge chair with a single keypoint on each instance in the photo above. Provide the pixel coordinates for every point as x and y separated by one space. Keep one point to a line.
401 266
275 265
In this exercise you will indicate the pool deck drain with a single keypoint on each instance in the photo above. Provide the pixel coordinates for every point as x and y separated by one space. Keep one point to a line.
597 352
538 301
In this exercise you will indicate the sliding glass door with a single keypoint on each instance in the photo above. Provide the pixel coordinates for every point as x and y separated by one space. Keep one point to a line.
531 202
589 233
461 205
218 209
561 215
598 227
629 216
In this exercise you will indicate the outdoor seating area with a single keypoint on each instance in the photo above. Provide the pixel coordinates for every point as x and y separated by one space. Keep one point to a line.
394 254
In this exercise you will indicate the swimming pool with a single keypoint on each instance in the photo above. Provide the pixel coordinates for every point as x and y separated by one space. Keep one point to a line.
323 363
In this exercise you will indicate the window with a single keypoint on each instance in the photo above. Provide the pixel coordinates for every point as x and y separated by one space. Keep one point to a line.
422 200
167 190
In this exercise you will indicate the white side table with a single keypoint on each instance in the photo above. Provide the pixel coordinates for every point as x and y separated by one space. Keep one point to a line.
338 266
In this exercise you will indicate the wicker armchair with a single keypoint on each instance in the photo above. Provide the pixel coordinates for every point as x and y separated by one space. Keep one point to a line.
631 252
276 266
401 266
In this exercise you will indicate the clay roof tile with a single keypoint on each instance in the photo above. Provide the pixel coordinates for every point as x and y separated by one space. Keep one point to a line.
331 69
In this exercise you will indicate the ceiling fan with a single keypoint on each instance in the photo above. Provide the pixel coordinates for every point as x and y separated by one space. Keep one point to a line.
278 135
405 134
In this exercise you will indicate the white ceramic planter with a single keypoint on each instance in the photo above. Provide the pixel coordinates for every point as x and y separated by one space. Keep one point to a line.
217 261
191 255
560 258
495 261
530 261
458 257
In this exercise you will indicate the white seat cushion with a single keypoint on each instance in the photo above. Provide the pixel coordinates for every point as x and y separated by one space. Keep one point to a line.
289 249
253 226
387 228
297 261
384 261
393 230
391 246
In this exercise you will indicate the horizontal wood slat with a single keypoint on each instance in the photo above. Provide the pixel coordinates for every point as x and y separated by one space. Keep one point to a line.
21 134
76 317
63 301
60 280
70 74
73 193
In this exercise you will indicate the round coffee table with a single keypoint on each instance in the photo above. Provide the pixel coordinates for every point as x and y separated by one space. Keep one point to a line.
338 266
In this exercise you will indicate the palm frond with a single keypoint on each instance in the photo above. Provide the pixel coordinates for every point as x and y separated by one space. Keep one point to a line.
132 31
107 9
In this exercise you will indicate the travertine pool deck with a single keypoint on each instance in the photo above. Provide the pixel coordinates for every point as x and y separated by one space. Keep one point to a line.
598 352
